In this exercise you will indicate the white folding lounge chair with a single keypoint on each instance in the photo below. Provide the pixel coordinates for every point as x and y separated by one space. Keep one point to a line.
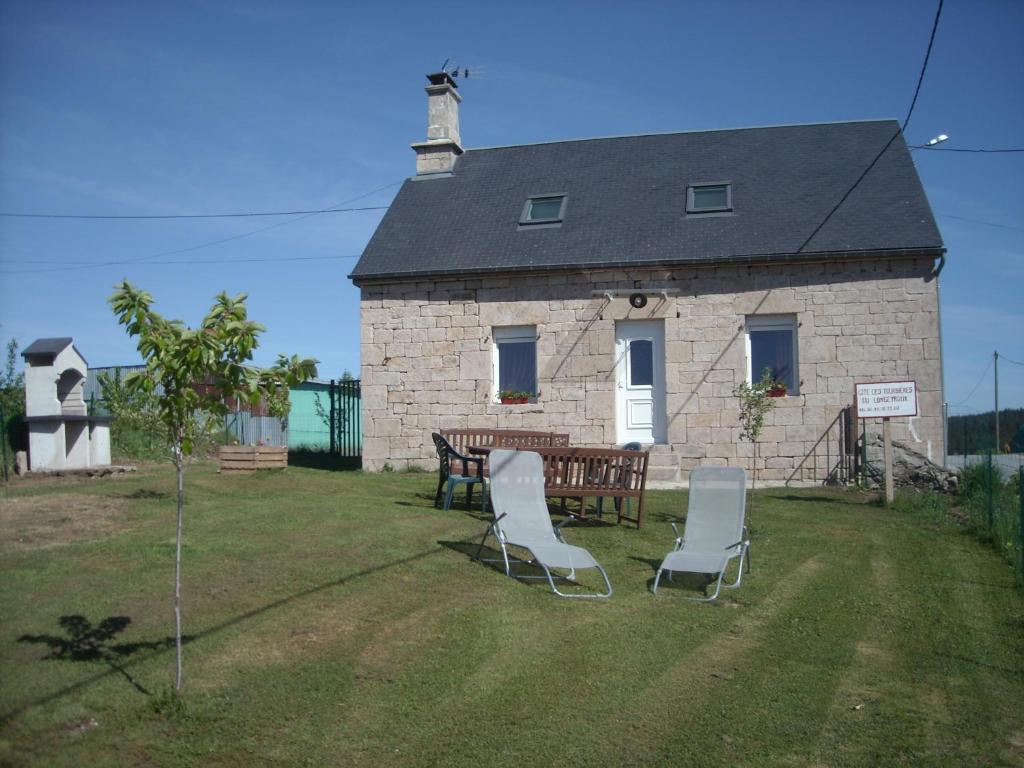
521 519
715 533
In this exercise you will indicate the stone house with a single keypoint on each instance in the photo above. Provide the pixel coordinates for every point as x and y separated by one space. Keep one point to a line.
631 283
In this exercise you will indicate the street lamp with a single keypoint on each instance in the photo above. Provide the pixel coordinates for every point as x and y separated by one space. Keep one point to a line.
931 142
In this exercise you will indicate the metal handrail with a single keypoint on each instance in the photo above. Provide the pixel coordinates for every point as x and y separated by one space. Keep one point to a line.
813 452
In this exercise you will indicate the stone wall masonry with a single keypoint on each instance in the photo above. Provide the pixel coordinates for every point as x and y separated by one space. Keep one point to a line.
427 355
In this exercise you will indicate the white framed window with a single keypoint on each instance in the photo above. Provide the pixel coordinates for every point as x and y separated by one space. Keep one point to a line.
772 345
514 358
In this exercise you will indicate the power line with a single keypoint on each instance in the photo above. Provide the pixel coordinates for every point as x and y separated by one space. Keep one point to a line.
975 389
924 65
189 249
1008 360
979 221
215 261
906 122
188 215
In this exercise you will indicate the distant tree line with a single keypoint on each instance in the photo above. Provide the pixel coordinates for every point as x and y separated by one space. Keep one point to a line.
976 433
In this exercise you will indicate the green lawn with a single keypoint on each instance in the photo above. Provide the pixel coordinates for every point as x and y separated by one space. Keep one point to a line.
336 619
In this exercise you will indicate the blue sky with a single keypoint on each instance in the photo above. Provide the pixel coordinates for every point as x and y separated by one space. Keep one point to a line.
189 107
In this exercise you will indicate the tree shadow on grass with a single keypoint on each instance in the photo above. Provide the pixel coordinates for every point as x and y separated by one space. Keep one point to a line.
84 642
837 499
424 505
590 521
469 548
146 493
527 574
676 580
165 645
651 562
428 505
666 517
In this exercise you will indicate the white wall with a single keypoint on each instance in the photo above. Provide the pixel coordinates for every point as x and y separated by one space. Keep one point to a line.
99 445
45 445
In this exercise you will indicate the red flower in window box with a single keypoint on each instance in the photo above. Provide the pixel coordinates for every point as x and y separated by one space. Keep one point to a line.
511 397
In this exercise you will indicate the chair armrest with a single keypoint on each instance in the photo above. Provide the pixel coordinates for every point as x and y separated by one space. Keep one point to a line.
467 460
558 529
679 537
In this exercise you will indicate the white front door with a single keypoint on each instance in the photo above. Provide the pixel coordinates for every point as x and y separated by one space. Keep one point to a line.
640 381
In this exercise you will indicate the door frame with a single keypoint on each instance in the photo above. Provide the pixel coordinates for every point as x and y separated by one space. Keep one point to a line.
634 330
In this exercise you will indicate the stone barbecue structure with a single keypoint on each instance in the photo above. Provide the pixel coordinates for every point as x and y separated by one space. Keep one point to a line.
61 433
630 284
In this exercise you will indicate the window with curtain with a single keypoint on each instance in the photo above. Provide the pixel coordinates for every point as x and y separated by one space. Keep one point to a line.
515 358
772 345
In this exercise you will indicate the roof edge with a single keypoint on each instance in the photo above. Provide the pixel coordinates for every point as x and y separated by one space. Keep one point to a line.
932 251
684 133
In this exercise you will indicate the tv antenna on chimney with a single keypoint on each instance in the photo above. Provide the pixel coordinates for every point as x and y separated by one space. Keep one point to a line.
456 71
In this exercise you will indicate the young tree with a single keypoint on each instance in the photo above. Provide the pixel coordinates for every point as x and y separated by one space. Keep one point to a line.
754 406
199 370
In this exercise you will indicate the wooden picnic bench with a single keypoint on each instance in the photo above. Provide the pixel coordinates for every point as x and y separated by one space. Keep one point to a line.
583 473
462 439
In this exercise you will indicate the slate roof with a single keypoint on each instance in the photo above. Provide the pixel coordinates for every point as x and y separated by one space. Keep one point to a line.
52 346
627 202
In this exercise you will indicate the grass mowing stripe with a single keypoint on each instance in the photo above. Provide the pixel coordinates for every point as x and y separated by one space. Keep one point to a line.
708 680
965 646
873 696
780 685
596 696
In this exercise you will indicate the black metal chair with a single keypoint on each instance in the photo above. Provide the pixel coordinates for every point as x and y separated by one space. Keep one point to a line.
625 468
447 455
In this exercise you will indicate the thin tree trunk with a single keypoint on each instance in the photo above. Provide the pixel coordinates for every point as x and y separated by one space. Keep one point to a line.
179 466
753 483
755 467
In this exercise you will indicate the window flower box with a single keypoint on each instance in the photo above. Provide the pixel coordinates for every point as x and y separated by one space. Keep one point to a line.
509 397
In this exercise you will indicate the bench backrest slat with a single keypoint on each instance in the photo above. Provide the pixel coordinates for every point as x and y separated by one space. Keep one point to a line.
594 469
461 439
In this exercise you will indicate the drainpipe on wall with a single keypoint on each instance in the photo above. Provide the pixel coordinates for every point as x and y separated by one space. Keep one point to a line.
942 361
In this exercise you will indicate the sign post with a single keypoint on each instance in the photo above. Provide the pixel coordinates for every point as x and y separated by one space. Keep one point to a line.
890 493
884 400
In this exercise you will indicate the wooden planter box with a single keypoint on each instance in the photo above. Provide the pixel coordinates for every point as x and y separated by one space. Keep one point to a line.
249 458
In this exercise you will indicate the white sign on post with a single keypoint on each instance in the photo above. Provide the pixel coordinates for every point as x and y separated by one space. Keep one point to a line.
886 398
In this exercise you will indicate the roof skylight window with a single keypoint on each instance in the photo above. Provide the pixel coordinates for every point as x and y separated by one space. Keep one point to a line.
709 198
543 209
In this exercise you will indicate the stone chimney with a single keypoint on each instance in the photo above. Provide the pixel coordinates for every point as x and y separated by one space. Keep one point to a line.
437 154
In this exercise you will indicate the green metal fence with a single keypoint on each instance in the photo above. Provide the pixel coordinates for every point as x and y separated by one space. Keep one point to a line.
995 505
326 416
